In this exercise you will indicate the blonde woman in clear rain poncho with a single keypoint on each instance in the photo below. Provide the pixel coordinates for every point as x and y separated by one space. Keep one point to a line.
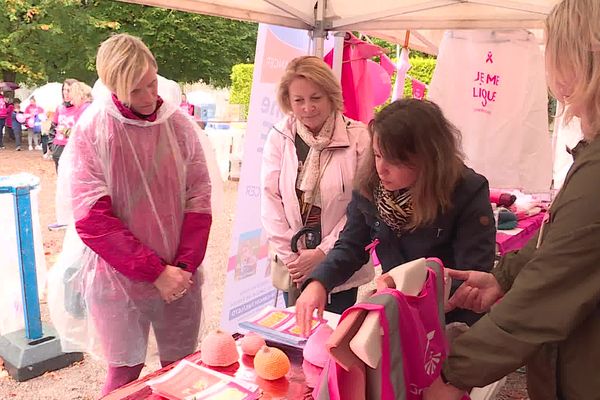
141 197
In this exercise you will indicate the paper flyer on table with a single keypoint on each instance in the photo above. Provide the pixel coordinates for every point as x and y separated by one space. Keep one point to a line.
189 381
279 326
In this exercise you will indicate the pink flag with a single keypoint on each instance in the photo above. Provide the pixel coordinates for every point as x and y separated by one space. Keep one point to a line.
365 84
418 89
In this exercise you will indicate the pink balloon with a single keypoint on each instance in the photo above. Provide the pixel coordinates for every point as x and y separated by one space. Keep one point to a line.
381 83
21 118
30 122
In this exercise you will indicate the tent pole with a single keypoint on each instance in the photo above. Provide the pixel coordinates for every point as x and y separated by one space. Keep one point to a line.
319 33
406 40
338 54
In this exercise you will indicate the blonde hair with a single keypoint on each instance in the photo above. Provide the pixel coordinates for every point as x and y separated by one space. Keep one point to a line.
416 133
573 59
315 70
80 93
121 62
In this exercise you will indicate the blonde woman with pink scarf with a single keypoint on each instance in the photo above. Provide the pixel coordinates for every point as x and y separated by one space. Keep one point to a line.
309 162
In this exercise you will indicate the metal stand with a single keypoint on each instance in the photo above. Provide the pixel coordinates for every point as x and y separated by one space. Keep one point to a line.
32 351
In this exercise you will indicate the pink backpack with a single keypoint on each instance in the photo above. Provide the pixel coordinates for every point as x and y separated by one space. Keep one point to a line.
413 346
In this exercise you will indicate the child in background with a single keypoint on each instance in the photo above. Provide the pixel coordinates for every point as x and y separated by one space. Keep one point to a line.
8 125
16 117
34 114
3 117
46 125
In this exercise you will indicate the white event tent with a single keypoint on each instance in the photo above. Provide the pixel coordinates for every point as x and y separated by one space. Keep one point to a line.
387 19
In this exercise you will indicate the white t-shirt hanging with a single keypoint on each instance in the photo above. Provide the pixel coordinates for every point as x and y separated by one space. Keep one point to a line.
492 86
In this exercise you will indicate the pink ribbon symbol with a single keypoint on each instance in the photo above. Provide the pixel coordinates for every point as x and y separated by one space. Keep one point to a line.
371 249
489 58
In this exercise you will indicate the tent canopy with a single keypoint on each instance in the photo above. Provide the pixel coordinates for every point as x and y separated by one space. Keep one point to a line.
387 19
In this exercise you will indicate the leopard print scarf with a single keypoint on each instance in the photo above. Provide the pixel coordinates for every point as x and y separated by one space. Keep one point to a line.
394 208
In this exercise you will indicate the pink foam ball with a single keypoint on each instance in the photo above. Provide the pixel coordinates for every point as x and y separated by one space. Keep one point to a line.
251 343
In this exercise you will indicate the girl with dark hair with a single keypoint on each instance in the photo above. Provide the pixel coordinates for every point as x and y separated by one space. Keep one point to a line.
413 198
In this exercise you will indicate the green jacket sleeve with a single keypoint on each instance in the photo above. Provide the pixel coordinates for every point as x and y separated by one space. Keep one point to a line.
511 264
556 288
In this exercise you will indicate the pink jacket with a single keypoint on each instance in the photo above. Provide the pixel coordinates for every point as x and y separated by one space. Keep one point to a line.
112 240
140 192
280 210
9 111
3 107
33 110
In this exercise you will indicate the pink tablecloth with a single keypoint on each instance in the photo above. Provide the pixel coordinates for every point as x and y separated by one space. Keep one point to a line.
515 239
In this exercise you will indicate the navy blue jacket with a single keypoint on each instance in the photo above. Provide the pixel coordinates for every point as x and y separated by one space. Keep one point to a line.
464 237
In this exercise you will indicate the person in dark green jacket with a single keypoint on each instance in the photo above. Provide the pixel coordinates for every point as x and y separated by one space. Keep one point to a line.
414 198
548 316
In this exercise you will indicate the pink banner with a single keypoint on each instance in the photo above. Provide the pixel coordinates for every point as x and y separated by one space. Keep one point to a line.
248 284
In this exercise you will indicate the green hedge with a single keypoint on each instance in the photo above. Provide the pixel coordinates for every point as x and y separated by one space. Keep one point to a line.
241 85
422 69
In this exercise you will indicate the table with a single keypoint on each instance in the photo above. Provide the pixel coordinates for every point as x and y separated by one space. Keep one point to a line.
293 386
515 239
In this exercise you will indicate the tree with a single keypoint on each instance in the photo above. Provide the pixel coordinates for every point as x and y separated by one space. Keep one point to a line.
24 25
77 31
57 39
187 46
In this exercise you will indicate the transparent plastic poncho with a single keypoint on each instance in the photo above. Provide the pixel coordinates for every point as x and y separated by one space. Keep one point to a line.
154 173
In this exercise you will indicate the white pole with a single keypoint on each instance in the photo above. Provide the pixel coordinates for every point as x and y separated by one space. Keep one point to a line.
338 53
319 33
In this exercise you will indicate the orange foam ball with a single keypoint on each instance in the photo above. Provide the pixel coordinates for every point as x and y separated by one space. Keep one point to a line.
270 363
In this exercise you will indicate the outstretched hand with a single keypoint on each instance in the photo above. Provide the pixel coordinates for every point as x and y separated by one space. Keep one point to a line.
313 298
479 291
